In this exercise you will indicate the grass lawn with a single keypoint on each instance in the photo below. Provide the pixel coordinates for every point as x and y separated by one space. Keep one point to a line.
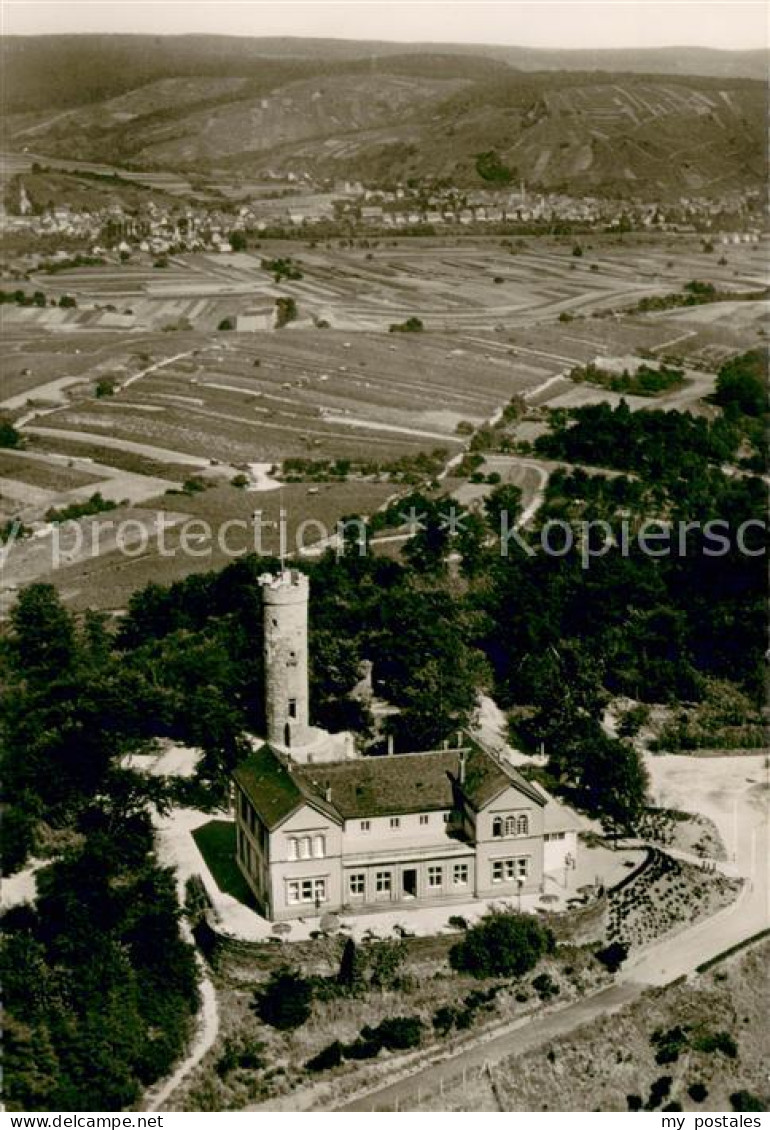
216 843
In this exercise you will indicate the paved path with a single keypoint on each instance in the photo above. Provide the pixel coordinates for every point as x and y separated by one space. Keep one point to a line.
527 1034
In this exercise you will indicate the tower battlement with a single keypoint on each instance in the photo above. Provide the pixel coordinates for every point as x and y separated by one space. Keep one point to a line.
287 587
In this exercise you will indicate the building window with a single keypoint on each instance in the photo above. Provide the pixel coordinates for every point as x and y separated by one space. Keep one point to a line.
319 847
293 849
522 826
383 882
305 847
357 884
503 870
497 826
446 817
365 825
424 818
292 708
306 890
395 821
435 876
522 868
460 875
293 659
510 825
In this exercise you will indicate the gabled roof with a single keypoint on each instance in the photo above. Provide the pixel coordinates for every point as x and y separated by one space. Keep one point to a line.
275 789
377 786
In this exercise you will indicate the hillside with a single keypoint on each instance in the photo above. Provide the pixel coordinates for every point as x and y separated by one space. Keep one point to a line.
201 103
70 70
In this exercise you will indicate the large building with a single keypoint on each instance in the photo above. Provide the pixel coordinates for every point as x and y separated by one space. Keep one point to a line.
321 828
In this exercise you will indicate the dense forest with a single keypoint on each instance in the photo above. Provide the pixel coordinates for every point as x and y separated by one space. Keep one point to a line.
100 987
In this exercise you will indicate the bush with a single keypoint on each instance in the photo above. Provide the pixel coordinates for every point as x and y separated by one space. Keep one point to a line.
716 1042
444 1019
328 1057
634 1102
362 1049
286 1001
745 1100
9 436
545 986
659 1091
410 326
226 324
612 956
396 1033
698 1092
503 944
458 922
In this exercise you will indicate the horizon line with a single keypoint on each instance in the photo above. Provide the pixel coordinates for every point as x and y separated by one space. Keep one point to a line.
470 44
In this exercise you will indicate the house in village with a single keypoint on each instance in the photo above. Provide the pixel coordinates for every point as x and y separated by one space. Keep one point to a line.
320 827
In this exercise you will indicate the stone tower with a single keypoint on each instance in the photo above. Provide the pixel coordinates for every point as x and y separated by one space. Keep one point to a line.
285 605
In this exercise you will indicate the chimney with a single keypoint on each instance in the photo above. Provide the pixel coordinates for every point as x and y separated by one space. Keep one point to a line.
391 745
461 774
328 794
459 739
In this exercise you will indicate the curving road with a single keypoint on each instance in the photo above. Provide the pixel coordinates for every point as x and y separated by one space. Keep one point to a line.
732 791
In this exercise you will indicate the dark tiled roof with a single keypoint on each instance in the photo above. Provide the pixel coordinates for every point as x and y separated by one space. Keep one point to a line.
381 786
376 786
273 789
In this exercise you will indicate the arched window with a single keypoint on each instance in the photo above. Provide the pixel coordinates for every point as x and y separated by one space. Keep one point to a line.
293 849
497 826
522 826
510 825
319 847
305 847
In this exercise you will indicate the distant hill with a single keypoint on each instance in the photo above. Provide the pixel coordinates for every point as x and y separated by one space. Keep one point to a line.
386 112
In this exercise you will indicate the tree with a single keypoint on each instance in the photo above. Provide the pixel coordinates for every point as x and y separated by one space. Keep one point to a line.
226 324
9 436
742 383
490 167
238 241
285 312
502 944
352 965
286 1002
42 638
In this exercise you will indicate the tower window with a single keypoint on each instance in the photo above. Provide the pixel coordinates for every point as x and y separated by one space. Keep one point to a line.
292 708
293 659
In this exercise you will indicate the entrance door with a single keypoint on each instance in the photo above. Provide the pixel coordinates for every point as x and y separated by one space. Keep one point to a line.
409 883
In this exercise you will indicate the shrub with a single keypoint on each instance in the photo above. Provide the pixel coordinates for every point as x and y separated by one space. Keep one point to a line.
503 944
612 956
634 1102
659 1091
716 1042
444 1019
698 1092
745 1100
458 922
396 1033
240 480
362 1049
545 986
9 436
226 324
286 1000
328 1057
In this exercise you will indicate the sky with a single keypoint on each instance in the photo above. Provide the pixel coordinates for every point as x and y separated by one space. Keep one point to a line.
732 24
